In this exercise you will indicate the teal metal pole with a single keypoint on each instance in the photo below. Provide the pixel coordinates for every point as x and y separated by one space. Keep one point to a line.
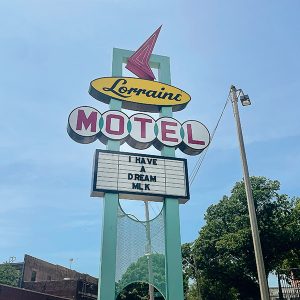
107 278
106 286
174 278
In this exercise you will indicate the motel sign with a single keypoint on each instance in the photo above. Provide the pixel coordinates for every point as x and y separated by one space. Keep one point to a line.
139 176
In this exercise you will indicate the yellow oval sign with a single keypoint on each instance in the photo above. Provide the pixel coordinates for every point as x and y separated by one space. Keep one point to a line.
139 94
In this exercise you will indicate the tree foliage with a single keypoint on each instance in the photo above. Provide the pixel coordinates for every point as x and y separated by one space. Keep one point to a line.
224 252
192 293
9 275
134 282
134 291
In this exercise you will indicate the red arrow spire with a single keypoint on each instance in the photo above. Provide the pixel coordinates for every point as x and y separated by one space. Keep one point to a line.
138 63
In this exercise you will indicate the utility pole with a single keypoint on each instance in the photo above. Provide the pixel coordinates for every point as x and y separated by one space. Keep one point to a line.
197 278
71 260
149 252
263 285
280 294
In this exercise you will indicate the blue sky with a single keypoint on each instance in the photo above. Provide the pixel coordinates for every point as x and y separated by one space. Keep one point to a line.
51 50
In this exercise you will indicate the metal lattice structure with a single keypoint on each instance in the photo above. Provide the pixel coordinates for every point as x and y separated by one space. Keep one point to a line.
140 252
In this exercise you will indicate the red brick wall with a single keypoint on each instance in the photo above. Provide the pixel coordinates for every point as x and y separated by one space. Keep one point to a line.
44 270
13 293
63 288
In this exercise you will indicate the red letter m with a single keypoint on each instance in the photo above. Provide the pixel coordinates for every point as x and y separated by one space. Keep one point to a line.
90 121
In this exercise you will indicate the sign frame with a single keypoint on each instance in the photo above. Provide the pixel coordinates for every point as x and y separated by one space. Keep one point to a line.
136 195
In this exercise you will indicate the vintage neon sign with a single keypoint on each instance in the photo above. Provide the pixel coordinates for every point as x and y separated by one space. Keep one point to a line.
139 94
86 124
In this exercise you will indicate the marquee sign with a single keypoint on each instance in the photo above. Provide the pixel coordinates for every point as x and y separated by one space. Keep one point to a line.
139 94
139 176
86 124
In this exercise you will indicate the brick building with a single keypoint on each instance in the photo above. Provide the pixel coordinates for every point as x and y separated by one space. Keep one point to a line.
75 289
35 270
49 279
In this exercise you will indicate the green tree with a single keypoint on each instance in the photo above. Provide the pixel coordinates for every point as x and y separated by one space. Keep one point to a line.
188 270
191 274
292 260
134 283
134 291
9 275
192 293
224 250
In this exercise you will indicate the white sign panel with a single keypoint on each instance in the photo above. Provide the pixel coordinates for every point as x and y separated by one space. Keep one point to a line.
140 177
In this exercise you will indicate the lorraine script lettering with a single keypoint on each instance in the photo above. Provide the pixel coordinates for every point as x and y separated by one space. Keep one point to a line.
120 89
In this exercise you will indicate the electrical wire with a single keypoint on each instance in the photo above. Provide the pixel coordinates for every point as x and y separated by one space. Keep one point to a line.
200 160
154 211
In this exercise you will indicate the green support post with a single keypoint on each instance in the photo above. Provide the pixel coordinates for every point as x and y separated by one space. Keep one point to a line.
107 286
171 213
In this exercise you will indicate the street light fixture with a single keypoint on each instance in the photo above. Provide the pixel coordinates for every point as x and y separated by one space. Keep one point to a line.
263 284
245 100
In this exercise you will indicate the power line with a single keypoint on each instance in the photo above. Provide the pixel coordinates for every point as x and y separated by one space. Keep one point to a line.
201 158
154 210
